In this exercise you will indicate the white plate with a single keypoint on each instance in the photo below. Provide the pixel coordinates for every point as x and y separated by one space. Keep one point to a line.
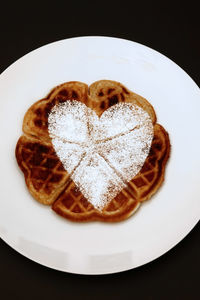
35 230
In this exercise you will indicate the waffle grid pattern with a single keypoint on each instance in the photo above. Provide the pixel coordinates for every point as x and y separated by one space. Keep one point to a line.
42 165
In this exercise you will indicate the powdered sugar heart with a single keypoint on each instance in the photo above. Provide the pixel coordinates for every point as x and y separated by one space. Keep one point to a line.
100 154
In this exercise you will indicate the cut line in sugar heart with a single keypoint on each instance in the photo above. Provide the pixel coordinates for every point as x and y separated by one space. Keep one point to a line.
101 154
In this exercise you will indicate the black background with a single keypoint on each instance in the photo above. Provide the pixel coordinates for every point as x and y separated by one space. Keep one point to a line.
170 29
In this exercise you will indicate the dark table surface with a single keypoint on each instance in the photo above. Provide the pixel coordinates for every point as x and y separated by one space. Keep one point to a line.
171 30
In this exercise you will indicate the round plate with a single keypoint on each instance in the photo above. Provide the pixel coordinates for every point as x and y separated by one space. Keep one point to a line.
33 229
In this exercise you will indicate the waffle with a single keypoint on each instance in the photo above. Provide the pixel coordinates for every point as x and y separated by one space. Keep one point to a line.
49 182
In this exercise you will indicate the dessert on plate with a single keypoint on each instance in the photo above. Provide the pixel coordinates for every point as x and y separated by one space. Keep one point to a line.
92 153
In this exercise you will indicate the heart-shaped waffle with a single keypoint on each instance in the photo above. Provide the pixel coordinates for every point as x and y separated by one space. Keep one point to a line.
51 182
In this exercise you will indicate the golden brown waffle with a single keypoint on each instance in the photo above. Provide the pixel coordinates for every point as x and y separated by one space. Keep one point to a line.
45 176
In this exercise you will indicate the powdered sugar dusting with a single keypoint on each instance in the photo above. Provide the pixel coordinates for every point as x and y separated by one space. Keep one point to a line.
100 154
68 121
70 154
97 180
